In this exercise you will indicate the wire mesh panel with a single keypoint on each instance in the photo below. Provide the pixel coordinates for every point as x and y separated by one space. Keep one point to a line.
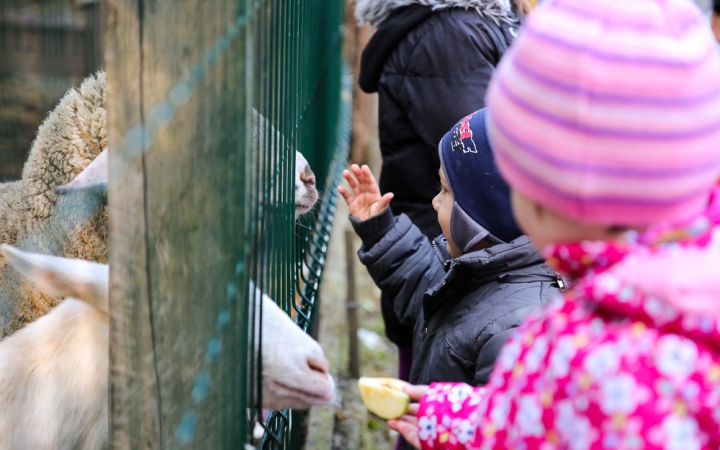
210 100
296 84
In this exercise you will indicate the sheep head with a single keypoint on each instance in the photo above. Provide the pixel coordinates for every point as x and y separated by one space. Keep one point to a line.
95 179
71 137
306 193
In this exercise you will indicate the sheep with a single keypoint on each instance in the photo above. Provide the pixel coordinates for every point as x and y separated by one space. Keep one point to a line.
35 218
54 371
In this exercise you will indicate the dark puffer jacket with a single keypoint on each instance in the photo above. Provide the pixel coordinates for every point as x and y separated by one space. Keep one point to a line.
463 309
430 68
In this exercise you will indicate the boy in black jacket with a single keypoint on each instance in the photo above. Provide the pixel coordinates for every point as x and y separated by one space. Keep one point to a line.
465 293
430 62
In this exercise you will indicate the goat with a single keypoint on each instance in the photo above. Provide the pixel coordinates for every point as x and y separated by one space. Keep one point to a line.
54 371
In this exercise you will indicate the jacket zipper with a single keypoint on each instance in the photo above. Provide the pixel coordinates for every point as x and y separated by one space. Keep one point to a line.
437 253
562 284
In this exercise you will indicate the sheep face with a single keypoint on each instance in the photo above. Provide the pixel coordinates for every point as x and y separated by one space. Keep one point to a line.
95 178
306 193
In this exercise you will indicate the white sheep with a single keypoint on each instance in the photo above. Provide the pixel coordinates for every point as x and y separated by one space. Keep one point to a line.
31 214
35 217
54 371
276 351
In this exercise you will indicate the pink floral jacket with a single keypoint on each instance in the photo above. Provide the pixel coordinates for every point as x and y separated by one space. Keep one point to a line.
628 359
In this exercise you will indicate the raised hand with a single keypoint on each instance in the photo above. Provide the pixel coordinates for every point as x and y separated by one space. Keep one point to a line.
365 200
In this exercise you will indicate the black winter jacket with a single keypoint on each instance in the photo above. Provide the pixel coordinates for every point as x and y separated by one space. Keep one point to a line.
463 309
430 69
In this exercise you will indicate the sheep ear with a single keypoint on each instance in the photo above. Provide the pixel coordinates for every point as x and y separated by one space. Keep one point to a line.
62 277
93 178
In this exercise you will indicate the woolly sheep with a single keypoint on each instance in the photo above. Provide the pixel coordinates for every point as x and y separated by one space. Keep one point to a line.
32 215
35 218
47 403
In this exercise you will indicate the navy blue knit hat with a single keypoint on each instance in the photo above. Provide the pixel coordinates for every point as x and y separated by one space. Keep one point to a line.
482 198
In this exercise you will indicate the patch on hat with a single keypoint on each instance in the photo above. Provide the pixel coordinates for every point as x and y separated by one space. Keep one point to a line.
462 136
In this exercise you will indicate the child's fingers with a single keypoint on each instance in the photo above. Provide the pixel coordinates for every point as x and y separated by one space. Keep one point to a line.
413 409
385 201
370 178
367 173
415 391
357 172
346 195
350 179
360 174
407 427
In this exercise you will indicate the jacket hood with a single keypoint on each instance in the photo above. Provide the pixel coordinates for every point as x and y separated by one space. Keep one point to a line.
375 12
515 259
668 278
675 291
514 262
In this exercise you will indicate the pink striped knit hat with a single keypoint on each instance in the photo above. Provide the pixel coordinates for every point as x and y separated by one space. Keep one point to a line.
608 111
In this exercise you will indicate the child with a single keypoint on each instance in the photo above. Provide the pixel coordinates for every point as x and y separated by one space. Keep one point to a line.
464 294
430 62
612 175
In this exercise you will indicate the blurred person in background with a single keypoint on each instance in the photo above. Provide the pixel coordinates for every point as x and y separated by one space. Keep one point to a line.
430 61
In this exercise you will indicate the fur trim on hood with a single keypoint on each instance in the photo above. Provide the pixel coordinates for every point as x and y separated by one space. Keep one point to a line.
375 12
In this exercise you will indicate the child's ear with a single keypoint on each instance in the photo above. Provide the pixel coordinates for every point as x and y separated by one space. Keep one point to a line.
539 210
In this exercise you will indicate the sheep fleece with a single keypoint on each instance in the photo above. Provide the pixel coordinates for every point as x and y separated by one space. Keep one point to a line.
33 218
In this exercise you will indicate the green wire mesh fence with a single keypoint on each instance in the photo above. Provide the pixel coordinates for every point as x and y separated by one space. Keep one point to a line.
297 86
284 60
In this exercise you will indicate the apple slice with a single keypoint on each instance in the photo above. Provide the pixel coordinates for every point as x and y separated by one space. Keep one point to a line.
384 396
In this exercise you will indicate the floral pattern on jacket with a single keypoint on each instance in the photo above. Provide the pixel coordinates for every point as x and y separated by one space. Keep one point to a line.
628 359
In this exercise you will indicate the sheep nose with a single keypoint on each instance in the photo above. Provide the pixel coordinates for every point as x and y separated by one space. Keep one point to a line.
319 365
307 176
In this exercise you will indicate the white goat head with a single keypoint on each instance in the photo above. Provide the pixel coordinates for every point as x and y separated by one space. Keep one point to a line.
95 178
54 371
295 371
